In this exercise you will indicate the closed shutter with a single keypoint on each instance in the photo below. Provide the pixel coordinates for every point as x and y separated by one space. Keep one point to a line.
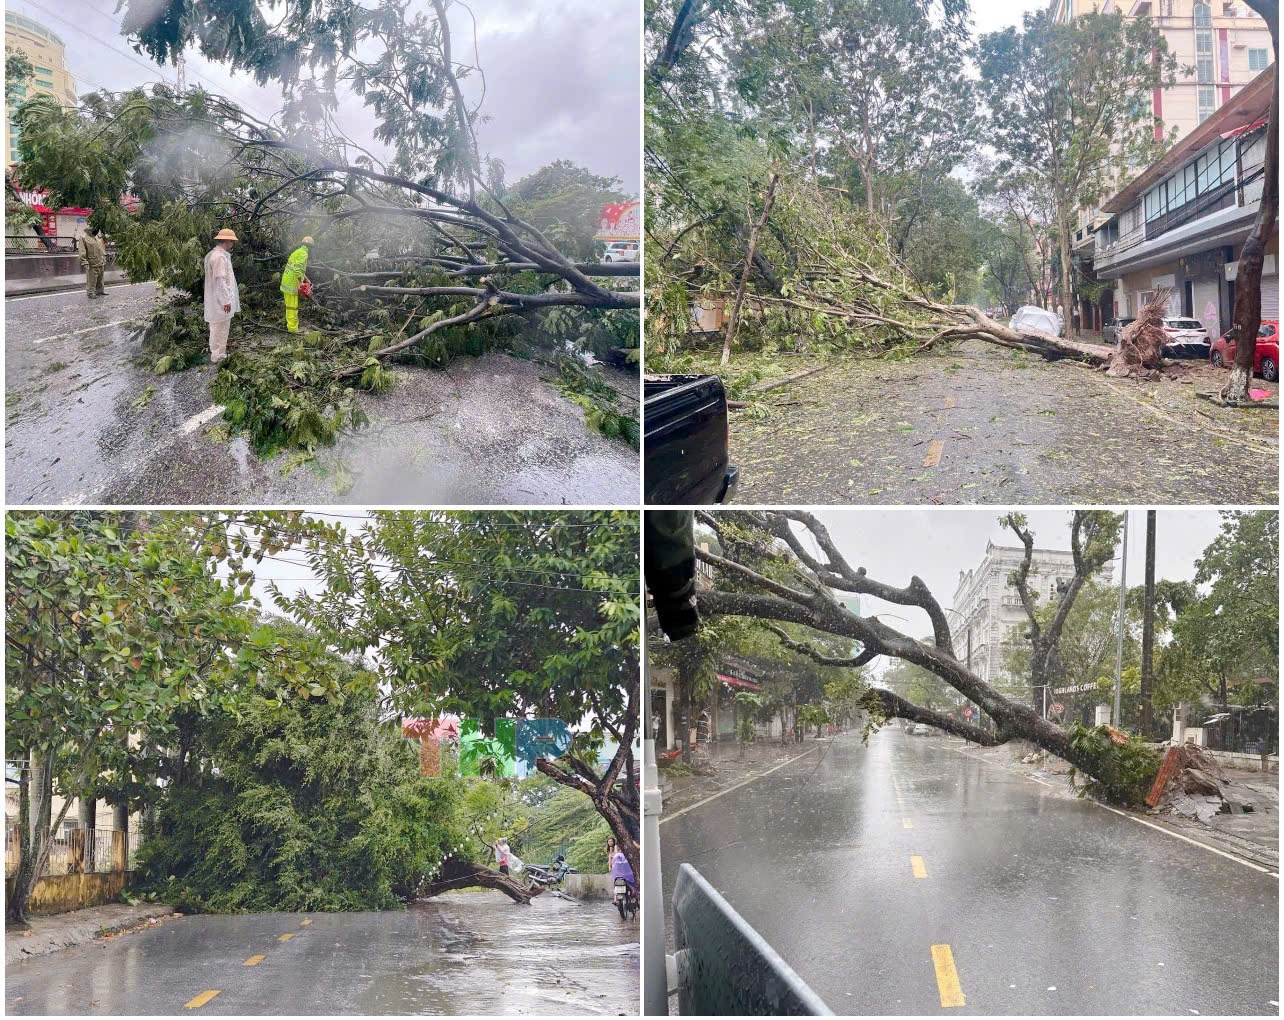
1271 297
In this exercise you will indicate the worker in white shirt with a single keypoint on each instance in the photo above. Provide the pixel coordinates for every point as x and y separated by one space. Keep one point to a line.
221 298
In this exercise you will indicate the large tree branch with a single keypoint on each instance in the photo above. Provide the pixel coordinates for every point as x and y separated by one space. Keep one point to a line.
892 705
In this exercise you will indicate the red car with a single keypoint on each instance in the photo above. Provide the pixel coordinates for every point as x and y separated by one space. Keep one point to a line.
1266 361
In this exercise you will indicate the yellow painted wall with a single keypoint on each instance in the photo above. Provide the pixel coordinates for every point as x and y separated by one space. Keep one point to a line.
57 894
46 51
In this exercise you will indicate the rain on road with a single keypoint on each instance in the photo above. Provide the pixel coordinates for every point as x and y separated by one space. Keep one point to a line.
462 953
86 424
853 862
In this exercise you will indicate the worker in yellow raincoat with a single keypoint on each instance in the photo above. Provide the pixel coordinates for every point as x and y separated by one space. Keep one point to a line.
296 271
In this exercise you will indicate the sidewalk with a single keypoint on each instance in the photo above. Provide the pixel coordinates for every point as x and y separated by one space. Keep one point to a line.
54 932
716 767
57 284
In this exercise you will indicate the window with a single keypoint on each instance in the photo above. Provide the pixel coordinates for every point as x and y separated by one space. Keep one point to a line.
1259 60
42 70
1203 55
1203 16
1207 102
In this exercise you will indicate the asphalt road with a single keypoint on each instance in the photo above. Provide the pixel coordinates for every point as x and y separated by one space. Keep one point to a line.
1049 905
980 425
464 953
86 424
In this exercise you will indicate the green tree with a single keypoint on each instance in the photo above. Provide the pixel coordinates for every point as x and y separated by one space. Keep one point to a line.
563 200
314 805
114 624
497 614
1229 630
1069 105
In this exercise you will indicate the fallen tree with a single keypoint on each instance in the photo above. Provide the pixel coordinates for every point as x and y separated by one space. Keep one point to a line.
770 574
417 258
456 873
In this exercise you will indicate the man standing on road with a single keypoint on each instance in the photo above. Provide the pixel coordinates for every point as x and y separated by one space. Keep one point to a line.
296 270
93 260
222 300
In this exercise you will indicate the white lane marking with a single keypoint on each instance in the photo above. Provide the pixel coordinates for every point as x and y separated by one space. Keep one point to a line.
197 420
1178 835
77 332
1142 821
72 290
746 782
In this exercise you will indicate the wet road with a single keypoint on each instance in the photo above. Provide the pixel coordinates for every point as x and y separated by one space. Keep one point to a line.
979 425
473 952
1050 905
85 424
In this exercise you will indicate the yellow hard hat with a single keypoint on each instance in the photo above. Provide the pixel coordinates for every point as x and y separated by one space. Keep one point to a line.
307 240
226 235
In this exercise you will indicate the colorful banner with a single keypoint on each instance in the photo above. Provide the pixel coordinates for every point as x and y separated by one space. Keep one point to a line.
620 221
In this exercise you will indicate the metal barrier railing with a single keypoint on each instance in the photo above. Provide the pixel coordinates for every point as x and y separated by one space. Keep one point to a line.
79 851
724 967
29 244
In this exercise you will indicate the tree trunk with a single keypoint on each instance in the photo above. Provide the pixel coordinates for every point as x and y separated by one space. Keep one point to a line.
1247 316
87 815
1063 232
744 277
1148 628
458 874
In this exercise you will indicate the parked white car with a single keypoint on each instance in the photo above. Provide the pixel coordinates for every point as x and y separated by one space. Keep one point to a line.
621 251
1033 317
1187 338
920 730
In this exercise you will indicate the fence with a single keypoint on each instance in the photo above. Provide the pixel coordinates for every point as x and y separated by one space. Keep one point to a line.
29 244
79 852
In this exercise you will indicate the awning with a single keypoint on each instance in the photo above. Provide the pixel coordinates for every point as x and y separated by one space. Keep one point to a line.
735 681
1236 132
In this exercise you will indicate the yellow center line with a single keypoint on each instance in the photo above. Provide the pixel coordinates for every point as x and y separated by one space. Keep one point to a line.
201 999
306 920
918 867
947 978
286 937
254 960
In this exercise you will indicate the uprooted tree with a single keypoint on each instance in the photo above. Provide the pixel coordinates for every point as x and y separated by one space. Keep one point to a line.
416 259
497 615
828 265
769 572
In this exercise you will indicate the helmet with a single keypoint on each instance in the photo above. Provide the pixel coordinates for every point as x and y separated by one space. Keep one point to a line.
226 235
308 239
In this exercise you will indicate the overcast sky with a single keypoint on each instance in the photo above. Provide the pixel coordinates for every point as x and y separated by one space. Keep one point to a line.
937 542
562 77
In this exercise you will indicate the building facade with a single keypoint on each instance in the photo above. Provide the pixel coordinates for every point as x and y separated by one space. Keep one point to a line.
1225 43
988 617
47 54
1181 224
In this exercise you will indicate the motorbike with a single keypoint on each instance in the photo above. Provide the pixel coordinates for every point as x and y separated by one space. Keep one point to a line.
624 886
625 898
549 876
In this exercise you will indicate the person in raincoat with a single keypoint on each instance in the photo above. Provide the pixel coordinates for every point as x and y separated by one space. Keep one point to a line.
509 862
93 260
222 300
620 869
296 271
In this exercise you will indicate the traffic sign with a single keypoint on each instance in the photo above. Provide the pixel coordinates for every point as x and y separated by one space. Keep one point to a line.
967 712
1058 708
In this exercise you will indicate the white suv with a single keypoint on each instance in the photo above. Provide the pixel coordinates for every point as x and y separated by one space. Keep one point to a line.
621 251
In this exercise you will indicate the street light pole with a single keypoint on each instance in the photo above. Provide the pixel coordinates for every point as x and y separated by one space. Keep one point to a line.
1117 717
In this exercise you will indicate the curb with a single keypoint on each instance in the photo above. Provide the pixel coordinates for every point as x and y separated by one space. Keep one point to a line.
60 288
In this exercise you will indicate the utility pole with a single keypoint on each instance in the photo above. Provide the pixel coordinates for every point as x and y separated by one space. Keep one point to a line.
1117 717
1148 627
181 64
